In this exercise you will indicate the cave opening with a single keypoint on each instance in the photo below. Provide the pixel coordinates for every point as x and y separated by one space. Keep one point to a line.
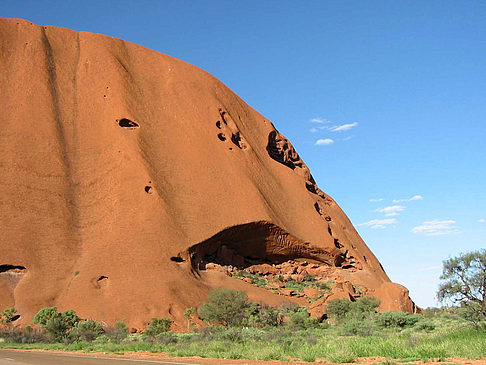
254 243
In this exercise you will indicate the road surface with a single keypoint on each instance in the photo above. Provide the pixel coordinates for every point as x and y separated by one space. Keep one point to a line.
9 357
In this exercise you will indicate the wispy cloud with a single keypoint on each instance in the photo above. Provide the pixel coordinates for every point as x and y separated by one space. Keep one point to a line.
436 227
379 223
376 200
481 220
319 120
392 210
343 127
430 268
415 197
313 130
324 142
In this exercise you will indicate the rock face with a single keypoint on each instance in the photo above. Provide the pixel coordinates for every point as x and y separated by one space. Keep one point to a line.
125 172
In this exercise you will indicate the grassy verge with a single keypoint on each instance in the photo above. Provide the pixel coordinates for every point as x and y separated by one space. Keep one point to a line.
286 345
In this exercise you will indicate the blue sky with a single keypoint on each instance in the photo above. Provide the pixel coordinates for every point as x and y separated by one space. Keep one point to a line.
394 90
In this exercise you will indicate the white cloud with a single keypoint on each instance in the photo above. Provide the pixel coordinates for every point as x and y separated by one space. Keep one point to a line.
324 142
415 197
379 223
376 200
481 220
318 120
343 127
436 227
392 210
430 268
313 130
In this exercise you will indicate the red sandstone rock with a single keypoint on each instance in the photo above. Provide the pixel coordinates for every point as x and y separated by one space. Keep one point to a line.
125 171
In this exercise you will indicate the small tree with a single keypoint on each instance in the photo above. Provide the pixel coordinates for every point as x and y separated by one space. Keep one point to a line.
464 283
228 307
56 324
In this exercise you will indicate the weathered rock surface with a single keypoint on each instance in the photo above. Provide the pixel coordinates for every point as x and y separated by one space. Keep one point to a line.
125 171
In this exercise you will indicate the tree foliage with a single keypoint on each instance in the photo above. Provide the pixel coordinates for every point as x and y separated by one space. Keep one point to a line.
342 310
464 283
56 324
228 307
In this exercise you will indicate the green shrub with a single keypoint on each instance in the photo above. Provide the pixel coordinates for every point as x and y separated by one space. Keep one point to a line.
357 327
87 330
396 319
56 324
426 326
265 316
7 315
228 307
338 309
158 326
300 319
342 310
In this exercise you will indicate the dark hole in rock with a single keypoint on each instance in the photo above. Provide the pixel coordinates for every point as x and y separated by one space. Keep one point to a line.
127 123
221 137
328 219
231 148
14 318
177 259
255 243
148 189
102 277
311 187
337 244
5 268
330 231
364 258
218 124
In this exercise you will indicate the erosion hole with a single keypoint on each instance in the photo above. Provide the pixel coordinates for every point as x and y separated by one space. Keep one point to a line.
148 189
177 259
102 277
127 123
5 268
221 137
218 124
14 318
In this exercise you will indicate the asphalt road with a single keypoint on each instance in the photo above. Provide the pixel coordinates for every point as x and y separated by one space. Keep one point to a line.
8 357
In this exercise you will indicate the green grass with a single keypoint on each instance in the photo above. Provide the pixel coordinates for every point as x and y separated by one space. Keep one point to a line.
307 345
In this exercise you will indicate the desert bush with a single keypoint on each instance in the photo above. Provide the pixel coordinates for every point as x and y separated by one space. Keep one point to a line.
158 326
342 310
87 330
338 309
357 327
426 326
300 319
265 316
396 319
17 335
7 315
118 332
56 324
228 307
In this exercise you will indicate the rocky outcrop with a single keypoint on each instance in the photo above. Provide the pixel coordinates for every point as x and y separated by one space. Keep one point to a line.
127 174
